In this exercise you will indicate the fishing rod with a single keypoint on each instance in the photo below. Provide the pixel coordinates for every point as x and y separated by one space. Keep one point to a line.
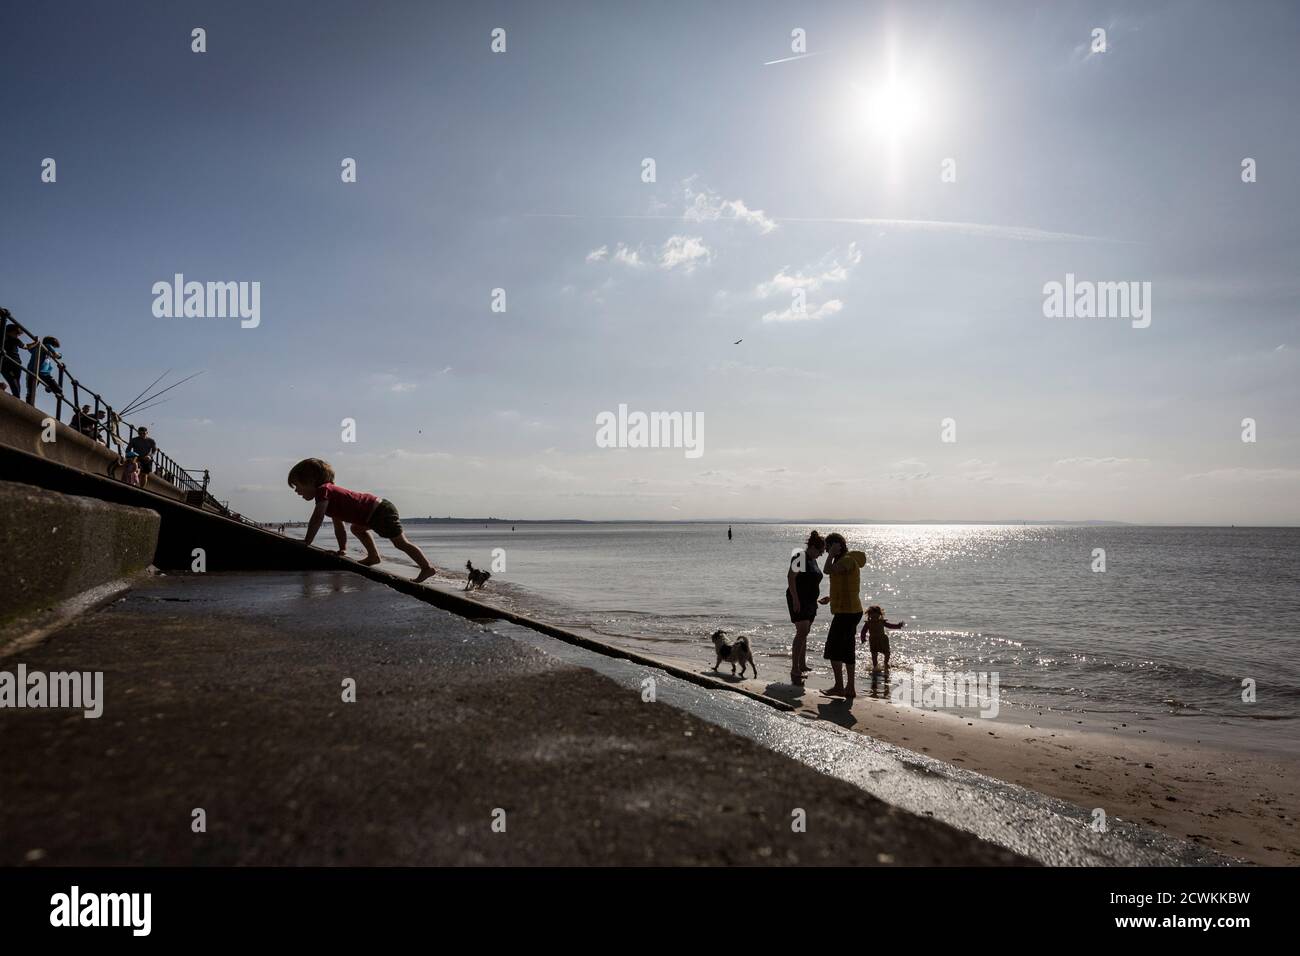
147 387
135 407
143 408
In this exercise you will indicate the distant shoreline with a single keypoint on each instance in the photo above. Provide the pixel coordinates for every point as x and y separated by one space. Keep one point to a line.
810 522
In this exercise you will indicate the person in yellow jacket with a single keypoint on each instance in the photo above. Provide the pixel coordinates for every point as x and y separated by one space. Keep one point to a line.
843 568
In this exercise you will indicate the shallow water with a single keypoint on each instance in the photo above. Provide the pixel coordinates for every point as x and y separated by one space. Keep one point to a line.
1167 633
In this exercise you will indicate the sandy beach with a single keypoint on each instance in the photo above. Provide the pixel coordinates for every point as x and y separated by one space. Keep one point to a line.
1243 804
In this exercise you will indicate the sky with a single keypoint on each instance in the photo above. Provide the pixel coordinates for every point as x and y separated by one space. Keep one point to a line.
918 174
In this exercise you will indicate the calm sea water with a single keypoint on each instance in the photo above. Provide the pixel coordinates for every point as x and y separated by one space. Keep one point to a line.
1167 632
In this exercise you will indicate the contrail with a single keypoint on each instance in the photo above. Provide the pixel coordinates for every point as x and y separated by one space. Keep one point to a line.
972 229
800 56
976 229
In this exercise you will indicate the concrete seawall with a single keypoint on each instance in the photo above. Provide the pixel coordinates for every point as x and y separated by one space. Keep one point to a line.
55 548
22 425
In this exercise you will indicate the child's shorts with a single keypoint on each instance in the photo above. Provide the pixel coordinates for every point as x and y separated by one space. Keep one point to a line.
878 645
384 520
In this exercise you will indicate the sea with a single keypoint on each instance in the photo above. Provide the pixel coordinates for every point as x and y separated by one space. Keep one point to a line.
1192 630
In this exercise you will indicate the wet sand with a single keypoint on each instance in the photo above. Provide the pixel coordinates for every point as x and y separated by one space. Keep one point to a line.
1243 804
1240 803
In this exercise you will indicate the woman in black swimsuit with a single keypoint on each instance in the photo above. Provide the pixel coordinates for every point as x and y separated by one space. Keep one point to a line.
803 584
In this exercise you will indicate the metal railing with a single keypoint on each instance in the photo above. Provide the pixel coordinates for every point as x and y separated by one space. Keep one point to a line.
108 431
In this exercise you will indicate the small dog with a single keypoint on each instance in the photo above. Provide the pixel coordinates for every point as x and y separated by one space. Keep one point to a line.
733 652
476 578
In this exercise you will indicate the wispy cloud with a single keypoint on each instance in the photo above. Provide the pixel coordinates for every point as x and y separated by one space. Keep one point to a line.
685 252
825 310
971 230
677 252
1102 462
627 256
832 268
1246 474
704 205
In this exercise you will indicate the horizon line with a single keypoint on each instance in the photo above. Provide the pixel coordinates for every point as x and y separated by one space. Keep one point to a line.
827 521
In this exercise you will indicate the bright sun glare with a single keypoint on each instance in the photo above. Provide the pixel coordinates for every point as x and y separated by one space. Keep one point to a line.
892 109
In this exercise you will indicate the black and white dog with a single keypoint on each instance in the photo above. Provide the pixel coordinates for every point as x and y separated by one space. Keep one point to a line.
736 652
476 578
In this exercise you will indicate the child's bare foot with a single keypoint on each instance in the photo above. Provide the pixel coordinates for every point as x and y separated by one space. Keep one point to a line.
850 694
368 560
425 573
834 692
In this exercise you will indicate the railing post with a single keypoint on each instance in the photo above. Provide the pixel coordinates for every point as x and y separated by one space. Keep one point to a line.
34 371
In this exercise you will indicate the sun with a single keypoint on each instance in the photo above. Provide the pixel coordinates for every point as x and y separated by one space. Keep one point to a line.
892 109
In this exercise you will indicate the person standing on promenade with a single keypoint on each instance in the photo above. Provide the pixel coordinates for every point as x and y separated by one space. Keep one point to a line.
12 364
803 585
844 568
41 365
143 446
83 421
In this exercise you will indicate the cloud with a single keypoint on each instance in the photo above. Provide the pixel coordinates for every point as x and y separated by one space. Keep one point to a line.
629 257
1246 474
684 251
912 464
823 311
391 383
707 206
1103 462
831 268
555 474
677 252
977 469
622 254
